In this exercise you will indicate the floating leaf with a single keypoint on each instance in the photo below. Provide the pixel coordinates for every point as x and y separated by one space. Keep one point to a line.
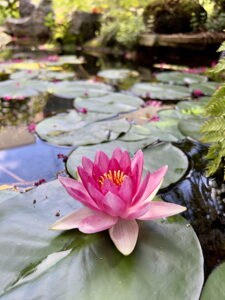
111 103
156 156
66 122
40 264
137 133
207 88
73 89
180 77
79 132
64 60
214 286
191 127
160 91
22 88
6 194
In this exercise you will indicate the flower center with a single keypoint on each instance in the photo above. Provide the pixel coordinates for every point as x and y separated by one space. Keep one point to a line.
116 177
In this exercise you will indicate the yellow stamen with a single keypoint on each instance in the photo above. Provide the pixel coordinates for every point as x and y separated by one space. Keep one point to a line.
116 177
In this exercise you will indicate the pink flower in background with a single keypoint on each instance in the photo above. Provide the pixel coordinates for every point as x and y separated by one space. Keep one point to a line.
82 110
197 93
154 103
114 196
154 119
51 58
213 64
195 70
39 182
17 84
31 127
7 98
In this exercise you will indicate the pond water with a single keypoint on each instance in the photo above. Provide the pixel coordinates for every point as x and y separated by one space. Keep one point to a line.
34 160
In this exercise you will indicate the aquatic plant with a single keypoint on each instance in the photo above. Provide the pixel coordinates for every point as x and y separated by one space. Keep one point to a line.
114 197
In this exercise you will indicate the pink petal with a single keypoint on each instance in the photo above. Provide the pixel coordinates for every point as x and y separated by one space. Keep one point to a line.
126 190
125 163
137 167
159 209
72 220
86 178
109 186
95 194
76 190
114 165
117 154
102 160
124 235
113 204
87 165
97 222
134 212
150 186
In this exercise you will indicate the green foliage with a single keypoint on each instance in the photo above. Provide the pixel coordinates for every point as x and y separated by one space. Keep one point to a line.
121 24
214 127
8 8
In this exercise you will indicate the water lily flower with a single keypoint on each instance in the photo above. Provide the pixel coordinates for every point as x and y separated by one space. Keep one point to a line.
197 93
114 197
154 119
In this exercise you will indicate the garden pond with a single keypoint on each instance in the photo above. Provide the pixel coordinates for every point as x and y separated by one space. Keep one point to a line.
56 109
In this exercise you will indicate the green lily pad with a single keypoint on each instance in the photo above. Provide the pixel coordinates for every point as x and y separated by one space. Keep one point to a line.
65 60
50 75
7 194
214 286
111 103
75 157
24 74
137 133
189 105
160 91
191 127
180 78
79 88
117 74
66 122
80 132
156 156
165 131
22 88
208 88
36 263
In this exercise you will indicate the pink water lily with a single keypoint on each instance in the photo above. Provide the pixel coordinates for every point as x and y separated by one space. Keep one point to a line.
114 196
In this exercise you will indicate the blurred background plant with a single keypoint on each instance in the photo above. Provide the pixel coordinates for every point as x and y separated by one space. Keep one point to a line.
8 8
122 21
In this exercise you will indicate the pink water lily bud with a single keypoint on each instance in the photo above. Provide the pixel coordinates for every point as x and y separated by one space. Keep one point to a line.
114 196
197 93
31 127
82 110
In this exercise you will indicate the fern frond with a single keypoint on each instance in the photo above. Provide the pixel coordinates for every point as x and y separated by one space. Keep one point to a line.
217 96
215 124
213 165
216 109
213 136
219 67
216 154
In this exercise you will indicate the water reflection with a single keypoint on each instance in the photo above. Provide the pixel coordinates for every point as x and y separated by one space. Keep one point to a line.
27 164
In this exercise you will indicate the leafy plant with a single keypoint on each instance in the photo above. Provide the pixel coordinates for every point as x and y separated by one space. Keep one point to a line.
214 127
